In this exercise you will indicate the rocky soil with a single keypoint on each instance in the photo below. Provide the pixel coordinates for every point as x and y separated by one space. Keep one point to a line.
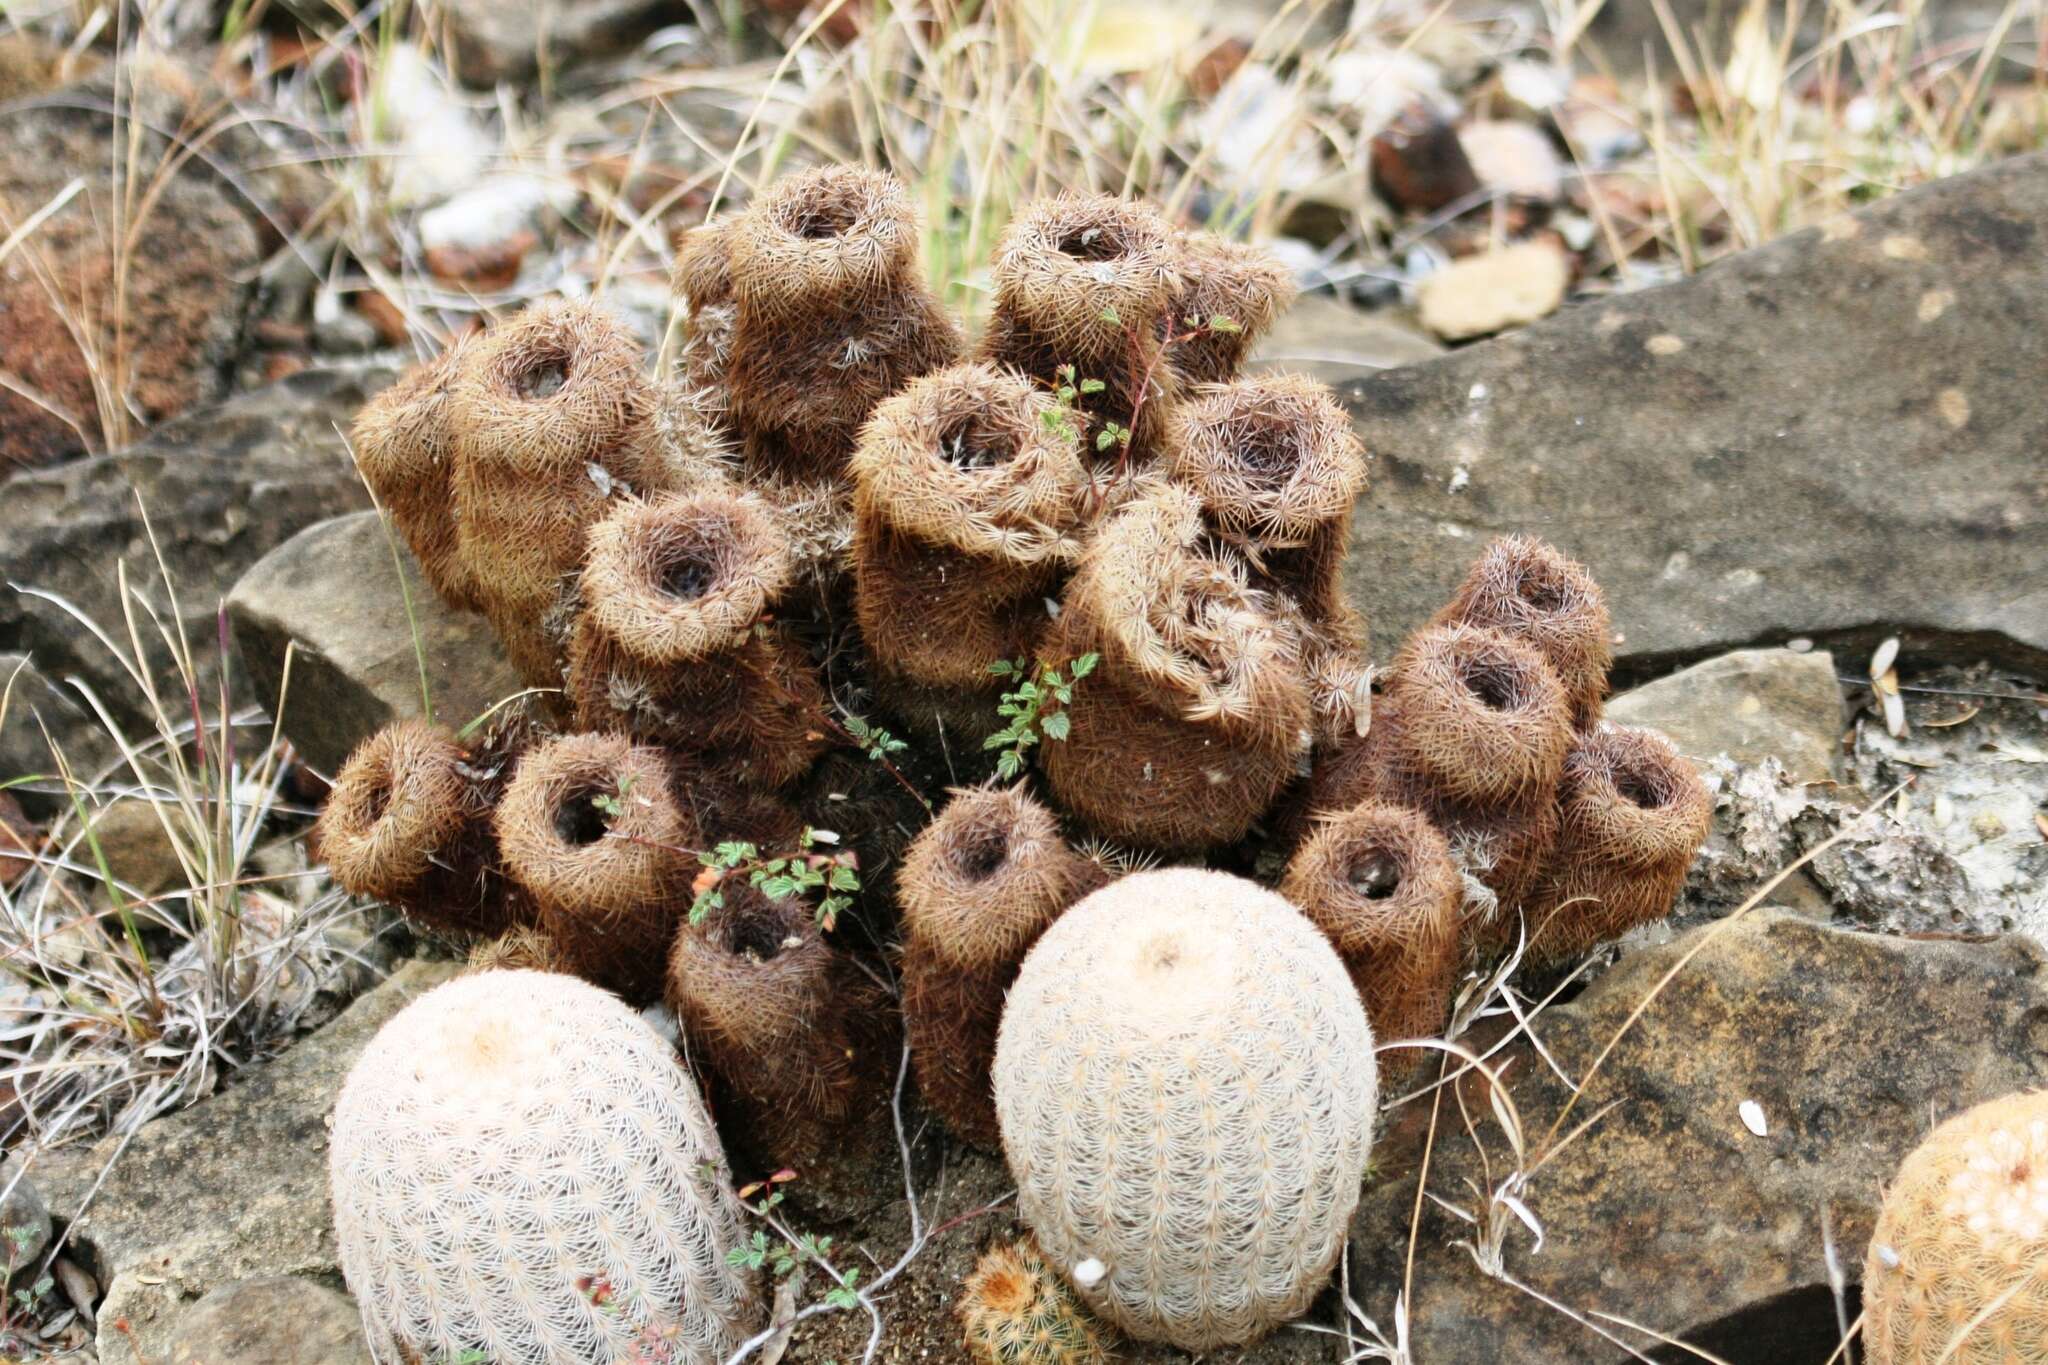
1773 467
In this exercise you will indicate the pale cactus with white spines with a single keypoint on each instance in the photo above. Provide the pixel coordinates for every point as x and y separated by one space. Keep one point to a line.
1186 1089
521 1169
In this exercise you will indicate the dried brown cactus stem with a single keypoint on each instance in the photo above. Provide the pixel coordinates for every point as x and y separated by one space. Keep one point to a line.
702 282
1471 730
1198 714
405 446
595 829
674 643
1084 284
803 1042
1277 467
832 314
408 823
1379 881
1525 588
553 419
1246 285
968 507
1633 815
977 888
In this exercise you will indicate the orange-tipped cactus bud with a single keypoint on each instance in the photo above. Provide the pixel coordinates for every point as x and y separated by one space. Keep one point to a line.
1954 1269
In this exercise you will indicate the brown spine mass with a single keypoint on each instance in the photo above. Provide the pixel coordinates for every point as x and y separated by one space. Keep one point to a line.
674 644
1087 280
1378 880
831 315
551 416
1277 468
405 446
977 888
803 1043
1472 731
1523 587
1247 285
408 823
596 830
1197 714
1634 813
967 512
703 283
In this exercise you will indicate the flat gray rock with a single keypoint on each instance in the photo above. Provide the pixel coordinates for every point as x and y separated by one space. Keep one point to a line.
278 1319
1838 435
1336 343
233 1188
221 487
334 588
1751 705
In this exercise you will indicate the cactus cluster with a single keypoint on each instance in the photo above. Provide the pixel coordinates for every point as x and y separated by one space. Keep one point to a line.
838 511
1954 1270
1565 830
521 1172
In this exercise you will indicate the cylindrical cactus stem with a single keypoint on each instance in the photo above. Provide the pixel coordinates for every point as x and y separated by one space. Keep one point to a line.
1015 1310
405 444
1087 281
1953 1274
552 420
674 644
832 315
969 494
805 1045
1633 815
1378 880
409 823
977 888
1277 467
1231 293
1522 586
702 283
1471 730
1197 714
596 831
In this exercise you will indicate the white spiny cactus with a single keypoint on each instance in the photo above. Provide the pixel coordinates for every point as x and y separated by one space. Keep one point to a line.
522 1170
1186 1087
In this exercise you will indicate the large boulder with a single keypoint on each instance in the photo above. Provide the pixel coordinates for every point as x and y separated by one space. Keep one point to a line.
221 488
233 1188
334 590
1837 435
1672 1210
